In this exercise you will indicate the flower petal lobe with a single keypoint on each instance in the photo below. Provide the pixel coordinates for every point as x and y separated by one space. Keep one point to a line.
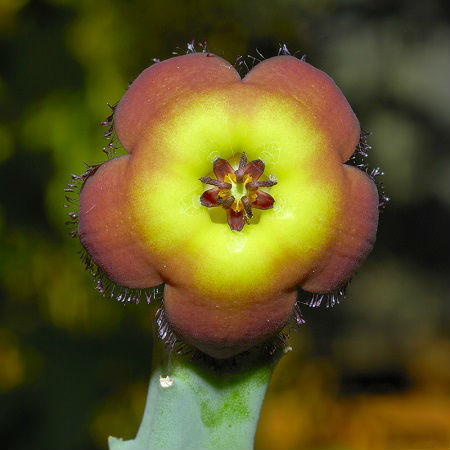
263 201
254 169
221 168
235 219
209 198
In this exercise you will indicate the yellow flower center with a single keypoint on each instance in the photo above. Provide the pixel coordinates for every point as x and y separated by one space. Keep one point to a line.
238 190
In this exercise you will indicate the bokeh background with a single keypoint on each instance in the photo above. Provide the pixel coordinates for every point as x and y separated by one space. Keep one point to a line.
372 373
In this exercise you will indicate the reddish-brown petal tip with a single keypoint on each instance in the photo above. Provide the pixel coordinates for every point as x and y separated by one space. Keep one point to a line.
254 169
263 201
226 327
235 219
221 168
161 85
355 234
317 91
209 198
107 231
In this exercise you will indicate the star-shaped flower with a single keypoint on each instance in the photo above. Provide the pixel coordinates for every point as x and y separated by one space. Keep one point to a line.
238 190
285 209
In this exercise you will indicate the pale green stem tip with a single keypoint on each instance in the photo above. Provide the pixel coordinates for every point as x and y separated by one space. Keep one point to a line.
201 404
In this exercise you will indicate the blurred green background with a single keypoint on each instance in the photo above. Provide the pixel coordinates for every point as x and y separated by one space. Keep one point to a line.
372 373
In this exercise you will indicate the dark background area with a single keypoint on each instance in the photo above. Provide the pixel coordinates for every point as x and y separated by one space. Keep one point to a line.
372 373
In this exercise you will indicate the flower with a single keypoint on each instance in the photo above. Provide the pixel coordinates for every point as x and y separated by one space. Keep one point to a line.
237 190
285 209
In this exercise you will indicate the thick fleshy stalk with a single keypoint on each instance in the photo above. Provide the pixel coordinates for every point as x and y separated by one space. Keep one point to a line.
198 404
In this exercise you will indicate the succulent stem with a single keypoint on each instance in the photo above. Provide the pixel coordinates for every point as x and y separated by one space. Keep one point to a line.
201 404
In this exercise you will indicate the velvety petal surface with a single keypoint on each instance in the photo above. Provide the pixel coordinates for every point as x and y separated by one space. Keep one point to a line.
226 329
107 231
191 244
142 222
355 234
163 84
317 92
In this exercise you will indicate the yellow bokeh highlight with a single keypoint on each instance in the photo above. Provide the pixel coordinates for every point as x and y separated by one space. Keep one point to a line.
11 362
